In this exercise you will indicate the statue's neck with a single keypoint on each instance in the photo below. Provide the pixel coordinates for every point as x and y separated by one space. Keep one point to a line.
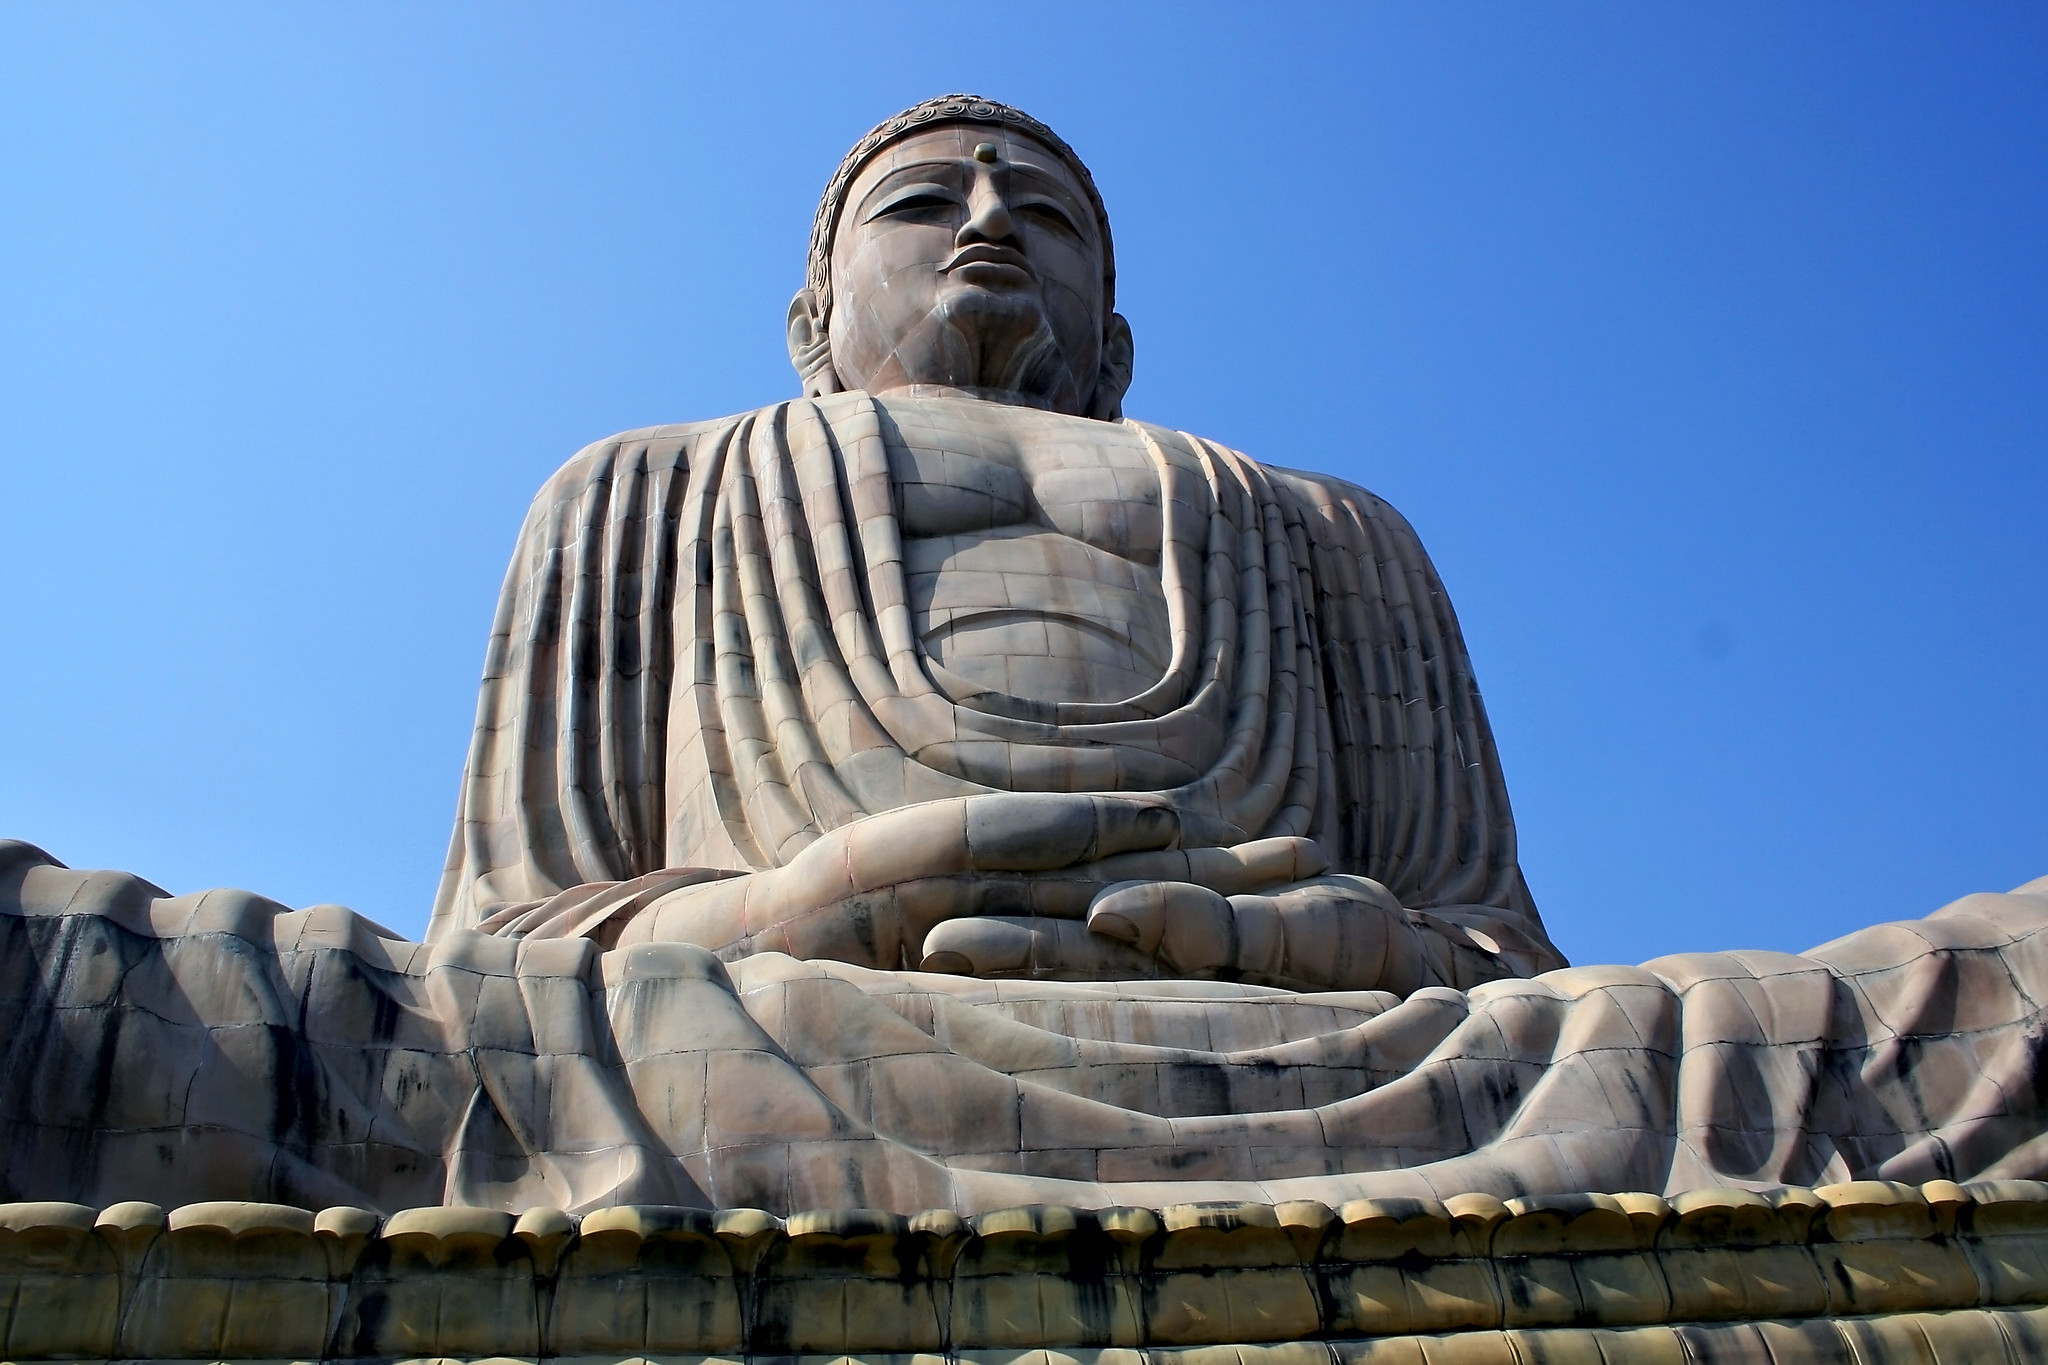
1009 396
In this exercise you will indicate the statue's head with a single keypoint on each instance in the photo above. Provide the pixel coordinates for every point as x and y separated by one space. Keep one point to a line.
962 248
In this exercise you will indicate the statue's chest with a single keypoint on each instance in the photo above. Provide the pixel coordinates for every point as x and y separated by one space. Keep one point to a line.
990 468
1031 549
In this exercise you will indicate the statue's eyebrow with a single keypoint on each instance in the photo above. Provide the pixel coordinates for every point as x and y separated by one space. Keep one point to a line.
943 170
1054 186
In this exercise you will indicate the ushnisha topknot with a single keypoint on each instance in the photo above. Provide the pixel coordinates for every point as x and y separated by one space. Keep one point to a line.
932 113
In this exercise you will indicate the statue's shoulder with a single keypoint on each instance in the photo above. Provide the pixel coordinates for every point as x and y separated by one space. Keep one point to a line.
1319 495
1341 500
664 448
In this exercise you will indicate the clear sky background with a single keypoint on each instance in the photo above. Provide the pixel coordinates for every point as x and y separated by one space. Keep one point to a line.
1706 347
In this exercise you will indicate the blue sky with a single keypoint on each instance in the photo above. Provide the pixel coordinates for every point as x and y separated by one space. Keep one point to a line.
1706 347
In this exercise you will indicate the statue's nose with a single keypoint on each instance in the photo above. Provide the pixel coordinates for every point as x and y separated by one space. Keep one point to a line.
988 219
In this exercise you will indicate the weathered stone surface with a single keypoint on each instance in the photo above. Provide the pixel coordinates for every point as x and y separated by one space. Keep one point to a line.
251 1279
64 1282
653 1281
1902 1270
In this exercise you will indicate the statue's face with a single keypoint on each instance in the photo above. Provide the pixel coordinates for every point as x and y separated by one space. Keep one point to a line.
968 260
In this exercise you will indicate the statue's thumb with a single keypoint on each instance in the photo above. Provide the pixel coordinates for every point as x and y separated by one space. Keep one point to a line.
1146 914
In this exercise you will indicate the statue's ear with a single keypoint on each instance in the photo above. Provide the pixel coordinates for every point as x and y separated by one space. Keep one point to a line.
810 348
1115 376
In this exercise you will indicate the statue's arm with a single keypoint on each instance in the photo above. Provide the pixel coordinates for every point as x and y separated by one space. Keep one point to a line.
1421 803
563 784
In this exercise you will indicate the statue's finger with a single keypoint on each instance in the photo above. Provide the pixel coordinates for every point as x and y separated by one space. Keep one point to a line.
995 832
978 947
1028 831
1256 866
925 904
1127 825
1188 927
1324 933
1043 831
1132 913
929 840
1201 933
1068 892
1050 949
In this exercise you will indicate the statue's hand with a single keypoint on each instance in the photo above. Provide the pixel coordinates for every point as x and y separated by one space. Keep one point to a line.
1329 932
1323 933
1082 887
871 892
1319 933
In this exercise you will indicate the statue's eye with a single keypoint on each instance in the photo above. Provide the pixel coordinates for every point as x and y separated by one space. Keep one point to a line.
1047 214
919 204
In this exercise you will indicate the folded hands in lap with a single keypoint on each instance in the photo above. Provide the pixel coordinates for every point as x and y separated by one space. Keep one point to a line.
1060 886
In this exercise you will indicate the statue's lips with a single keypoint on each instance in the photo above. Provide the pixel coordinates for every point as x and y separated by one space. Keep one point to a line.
984 262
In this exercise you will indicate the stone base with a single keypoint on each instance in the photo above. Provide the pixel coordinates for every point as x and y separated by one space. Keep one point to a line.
1867 1271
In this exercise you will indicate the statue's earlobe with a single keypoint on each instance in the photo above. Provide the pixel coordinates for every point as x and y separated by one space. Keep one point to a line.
1115 376
810 348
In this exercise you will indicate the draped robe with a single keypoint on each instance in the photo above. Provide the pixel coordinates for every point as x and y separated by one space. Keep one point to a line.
704 657
703 661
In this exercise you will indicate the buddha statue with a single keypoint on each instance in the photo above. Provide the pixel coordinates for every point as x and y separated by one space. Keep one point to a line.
942 791
949 666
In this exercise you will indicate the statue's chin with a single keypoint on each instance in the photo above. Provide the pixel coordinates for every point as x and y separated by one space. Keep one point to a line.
988 344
